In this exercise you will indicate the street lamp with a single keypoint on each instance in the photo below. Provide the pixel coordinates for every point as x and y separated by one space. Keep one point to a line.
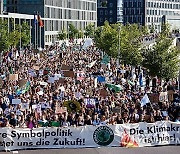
118 59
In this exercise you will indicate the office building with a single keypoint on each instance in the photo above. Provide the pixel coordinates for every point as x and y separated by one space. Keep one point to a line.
57 14
149 12
173 21
106 11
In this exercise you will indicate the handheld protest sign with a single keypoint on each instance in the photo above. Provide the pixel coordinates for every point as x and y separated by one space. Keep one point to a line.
13 77
68 74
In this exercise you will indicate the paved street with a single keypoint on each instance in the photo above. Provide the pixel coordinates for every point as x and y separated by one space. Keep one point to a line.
144 150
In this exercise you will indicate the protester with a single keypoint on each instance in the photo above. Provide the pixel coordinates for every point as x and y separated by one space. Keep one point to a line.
67 86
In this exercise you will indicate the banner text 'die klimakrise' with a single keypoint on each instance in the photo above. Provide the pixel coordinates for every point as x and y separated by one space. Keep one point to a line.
125 135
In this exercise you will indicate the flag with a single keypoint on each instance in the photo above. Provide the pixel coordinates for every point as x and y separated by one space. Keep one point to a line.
105 60
35 20
91 64
126 141
41 24
101 79
145 100
115 88
24 89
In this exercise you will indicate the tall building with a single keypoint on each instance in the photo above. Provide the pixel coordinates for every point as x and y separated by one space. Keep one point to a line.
149 12
134 11
57 14
106 11
1 6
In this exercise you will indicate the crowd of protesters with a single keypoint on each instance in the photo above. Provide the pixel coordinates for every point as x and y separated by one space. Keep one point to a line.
42 104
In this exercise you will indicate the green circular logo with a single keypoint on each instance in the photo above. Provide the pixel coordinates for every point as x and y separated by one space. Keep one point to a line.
103 135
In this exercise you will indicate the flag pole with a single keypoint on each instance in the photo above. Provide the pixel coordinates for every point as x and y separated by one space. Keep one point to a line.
35 30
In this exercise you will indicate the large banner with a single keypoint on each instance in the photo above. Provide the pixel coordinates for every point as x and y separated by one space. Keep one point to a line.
125 135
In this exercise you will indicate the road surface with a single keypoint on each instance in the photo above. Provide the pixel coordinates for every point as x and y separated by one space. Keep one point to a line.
105 150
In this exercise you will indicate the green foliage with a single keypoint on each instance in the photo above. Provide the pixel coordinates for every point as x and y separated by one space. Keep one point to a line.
11 37
107 38
14 38
73 32
4 38
165 30
25 34
80 34
130 44
89 30
162 60
62 35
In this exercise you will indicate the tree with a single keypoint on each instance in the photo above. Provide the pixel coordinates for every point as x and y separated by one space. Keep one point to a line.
4 37
130 44
162 60
80 34
62 35
89 30
25 34
73 32
110 37
106 39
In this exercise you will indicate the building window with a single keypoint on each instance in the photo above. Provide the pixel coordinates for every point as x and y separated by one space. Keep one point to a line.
110 12
111 20
101 12
106 12
111 4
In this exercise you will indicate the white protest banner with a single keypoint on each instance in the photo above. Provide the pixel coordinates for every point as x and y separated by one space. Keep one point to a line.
34 106
95 82
91 64
80 75
123 135
89 102
16 101
40 93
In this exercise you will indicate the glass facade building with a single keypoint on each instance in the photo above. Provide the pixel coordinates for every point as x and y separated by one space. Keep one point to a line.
57 14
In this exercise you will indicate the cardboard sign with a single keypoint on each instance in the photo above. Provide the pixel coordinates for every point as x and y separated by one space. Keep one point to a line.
61 80
36 68
16 101
22 83
66 68
171 95
154 97
163 97
60 109
13 77
103 93
69 74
